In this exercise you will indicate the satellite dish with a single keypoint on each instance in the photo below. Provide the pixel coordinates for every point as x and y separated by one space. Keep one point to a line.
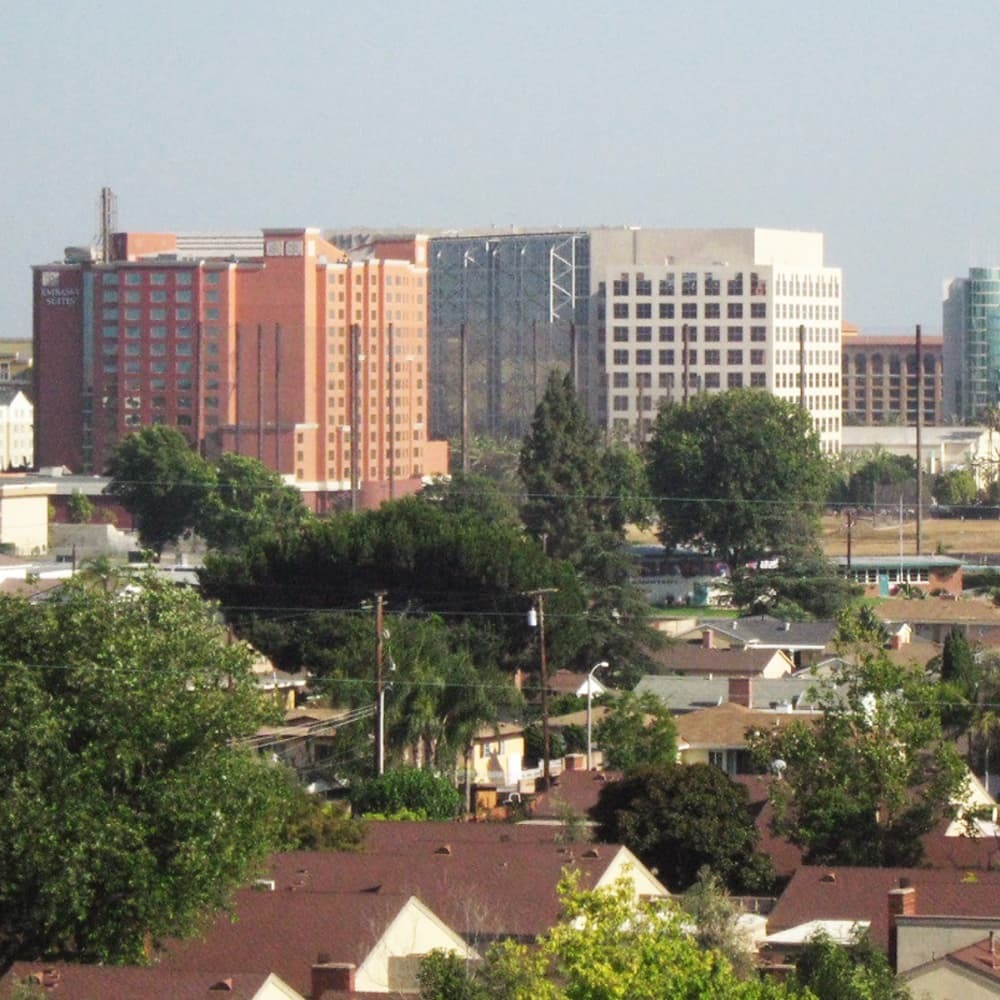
779 767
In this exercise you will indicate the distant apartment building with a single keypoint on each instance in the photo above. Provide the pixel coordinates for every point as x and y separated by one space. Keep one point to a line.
721 309
275 345
15 363
971 328
879 379
532 301
17 449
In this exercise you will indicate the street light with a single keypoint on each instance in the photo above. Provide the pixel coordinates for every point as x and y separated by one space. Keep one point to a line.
590 691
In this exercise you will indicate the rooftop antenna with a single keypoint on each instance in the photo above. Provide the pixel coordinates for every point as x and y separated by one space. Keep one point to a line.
108 222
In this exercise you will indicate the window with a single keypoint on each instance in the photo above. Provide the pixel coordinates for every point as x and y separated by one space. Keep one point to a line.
157 296
620 334
691 332
183 350
133 278
157 350
620 310
131 333
757 357
667 285
758 380
644 310
712 310
734 334
666 310
619 357
758 334
158 332
692 357
211 314
666 380
734 380
133 315
184 367
734 310
689 310
643 357
109 278
734 286
666 334
620 286
133 350
158 278
157 315
643 286
182 314
758 310
712 284
713 334
644 334
212 279
734 357
619 380
182 278
689 283
621 403
712 380
183 332
712 357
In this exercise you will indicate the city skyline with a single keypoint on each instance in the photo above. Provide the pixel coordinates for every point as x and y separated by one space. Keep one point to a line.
847 121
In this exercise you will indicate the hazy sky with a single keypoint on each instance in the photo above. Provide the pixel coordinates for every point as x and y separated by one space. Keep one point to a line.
874 123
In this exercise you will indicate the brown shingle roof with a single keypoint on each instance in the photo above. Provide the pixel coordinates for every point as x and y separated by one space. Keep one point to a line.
132 983
726 725
285 931
692 659
979 958
938 611
576 790
816 893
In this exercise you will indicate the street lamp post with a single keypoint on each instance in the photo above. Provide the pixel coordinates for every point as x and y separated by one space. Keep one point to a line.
590 691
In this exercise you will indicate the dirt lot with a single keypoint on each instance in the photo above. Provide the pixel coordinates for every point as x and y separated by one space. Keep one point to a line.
948 537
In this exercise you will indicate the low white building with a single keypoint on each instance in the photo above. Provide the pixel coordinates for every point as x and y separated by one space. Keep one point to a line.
17 419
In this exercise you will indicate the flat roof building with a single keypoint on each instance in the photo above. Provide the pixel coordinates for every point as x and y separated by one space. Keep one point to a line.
279 346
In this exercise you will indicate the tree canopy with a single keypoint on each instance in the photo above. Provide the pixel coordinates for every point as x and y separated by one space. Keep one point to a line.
407 789
636 729
859 971
680 818
864 782
606 946
738 471
160 480
127 805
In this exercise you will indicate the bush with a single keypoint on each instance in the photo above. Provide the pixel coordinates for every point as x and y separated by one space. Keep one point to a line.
407 788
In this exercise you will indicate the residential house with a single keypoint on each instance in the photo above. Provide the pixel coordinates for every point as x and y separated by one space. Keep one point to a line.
803 642
718 735
568 682
109 982
306 742
706 660
933 619
497 756
341 939
795 693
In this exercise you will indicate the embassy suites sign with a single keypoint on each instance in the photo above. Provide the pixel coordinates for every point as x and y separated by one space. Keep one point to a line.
54 293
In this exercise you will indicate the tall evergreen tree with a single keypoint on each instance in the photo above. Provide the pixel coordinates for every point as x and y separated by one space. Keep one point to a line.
562 471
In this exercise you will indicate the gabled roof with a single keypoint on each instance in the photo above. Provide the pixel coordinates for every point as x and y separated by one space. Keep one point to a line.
938 611
773 633
746 661
133 983
483 880
980 958
725 726
685 694
286 931
841 893
569 682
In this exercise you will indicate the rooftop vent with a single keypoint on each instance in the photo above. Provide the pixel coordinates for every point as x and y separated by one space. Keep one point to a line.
225 985
829 877
443 849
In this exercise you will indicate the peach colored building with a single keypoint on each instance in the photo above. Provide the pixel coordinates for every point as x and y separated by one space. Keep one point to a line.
275 345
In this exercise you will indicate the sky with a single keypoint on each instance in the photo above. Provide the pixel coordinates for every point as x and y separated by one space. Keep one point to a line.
874 123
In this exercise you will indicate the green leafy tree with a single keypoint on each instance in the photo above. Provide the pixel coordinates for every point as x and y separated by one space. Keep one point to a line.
628 486
472 492
880 474
956 487
567 498
862 784
739 471
858 971
958 665
312 824
680 818
128 807
636 729
410 790
81 508
716 921
161 482
607 946
246 499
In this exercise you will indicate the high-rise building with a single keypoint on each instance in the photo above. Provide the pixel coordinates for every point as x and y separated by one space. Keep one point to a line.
276 345
722 309
606 302
971 329
879 380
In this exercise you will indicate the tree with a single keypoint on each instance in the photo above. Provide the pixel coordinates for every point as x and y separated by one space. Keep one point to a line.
81 508
636 729
880 473
864 782
739 471
716 921
246 499
680 818
858 971
960 680
567 498
128 806
628 486
607 946
477 493
955 487
160 481
410 790
312 824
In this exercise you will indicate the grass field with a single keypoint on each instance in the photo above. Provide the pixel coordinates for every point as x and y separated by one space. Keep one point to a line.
938 535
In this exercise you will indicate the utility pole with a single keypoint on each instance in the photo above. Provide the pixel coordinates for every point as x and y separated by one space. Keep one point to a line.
536 617
379 682
850 528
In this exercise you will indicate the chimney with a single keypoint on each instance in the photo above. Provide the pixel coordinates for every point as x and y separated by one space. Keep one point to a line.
902 903
896 641
741 691
707 639
332 976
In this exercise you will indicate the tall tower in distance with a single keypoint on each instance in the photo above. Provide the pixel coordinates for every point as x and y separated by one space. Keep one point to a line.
971 331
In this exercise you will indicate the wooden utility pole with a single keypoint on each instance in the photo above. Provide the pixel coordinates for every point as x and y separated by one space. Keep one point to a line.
920 425
538 608
379 682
